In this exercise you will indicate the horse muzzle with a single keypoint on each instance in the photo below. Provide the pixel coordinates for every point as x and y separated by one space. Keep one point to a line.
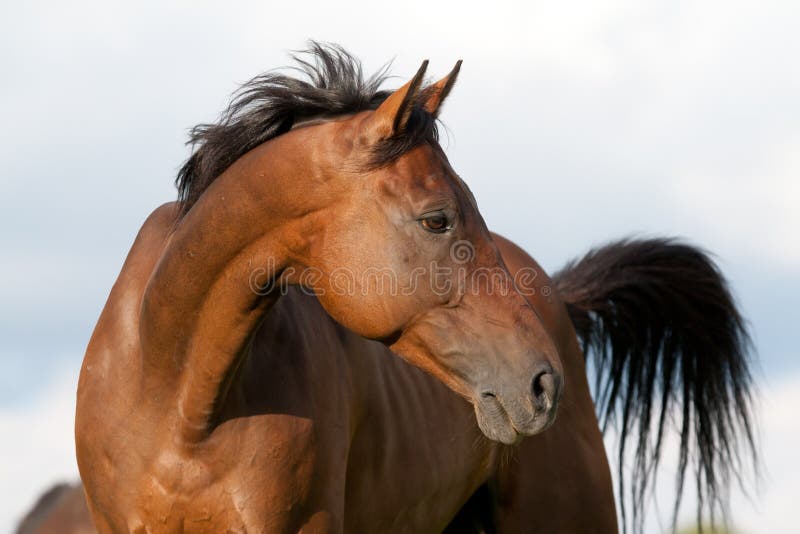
507 417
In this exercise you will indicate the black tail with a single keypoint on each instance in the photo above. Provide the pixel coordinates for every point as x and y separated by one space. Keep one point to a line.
670 348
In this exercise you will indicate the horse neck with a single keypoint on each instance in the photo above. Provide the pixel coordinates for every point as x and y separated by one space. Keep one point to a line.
200 306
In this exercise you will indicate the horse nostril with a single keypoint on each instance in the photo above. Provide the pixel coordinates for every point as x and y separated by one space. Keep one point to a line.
544 388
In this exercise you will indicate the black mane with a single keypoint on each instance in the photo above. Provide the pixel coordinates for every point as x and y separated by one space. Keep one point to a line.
271 103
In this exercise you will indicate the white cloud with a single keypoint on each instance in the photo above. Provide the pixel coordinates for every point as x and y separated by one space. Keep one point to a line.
758 205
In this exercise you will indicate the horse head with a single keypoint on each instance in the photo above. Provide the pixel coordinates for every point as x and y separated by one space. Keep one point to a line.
405 257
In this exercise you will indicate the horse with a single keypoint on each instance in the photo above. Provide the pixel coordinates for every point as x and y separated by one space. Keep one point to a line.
322 334
59 510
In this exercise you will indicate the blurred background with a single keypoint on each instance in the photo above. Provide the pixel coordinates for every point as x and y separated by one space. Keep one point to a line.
574 123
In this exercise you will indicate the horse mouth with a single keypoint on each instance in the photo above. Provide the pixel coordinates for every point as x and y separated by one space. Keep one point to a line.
509 427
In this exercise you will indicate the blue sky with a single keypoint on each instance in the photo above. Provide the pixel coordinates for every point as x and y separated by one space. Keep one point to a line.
573 122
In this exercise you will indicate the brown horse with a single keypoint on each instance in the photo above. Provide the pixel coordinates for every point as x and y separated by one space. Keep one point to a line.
60 510
243 375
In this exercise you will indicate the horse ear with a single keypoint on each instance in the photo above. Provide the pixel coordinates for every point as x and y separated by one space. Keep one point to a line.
437 92
392 115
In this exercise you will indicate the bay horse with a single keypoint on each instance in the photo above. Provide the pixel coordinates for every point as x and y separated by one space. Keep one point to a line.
59 510
322 334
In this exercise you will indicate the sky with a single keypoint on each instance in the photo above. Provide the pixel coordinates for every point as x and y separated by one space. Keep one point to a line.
574 123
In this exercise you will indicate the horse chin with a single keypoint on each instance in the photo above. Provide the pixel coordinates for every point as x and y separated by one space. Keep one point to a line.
497 425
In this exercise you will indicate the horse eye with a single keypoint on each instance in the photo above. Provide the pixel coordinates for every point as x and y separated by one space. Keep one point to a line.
437 223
